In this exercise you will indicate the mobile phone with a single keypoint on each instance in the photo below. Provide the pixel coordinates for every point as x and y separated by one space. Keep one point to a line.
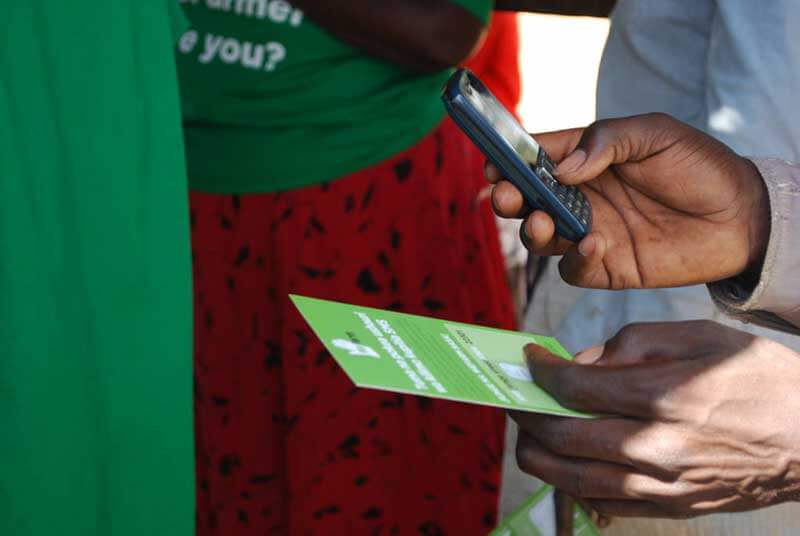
518 156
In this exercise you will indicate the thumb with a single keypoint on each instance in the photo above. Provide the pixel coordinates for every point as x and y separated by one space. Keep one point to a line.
590 388
546 368
617 141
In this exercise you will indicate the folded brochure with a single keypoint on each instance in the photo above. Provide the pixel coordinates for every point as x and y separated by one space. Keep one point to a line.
424 356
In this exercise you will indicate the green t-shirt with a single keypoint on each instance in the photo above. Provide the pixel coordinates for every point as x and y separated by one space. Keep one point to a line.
95 289
273 102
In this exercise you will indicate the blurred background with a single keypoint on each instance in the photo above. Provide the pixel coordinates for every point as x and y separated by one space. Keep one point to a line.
559 58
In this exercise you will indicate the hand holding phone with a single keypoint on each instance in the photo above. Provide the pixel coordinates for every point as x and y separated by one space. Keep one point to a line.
520 158
672 206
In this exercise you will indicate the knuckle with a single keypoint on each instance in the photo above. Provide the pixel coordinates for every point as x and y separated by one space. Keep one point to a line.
600 125
660 117
628 335
597 132
629 330
637 332
681 493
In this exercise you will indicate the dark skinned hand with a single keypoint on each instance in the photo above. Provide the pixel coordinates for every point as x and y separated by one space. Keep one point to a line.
701 418
671 205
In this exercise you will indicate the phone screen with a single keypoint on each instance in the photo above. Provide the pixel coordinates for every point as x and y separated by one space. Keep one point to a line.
503 122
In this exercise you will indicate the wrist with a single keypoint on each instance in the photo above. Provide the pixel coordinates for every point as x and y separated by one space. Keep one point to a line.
758 223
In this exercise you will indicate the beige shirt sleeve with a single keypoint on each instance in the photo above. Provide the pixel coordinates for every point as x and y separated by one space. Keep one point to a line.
775 301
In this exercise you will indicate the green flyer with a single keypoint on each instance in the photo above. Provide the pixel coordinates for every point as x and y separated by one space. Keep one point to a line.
537 517
429 357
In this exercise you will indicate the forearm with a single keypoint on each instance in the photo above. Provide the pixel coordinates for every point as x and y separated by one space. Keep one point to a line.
589 8
423 35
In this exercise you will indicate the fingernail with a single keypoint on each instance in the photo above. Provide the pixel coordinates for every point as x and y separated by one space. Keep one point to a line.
572 162
590 355
586 246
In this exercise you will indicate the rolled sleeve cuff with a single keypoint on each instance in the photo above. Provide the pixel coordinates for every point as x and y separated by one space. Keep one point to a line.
775 300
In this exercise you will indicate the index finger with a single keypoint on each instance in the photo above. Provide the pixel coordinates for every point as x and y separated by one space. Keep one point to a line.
587 478
602 439
632 390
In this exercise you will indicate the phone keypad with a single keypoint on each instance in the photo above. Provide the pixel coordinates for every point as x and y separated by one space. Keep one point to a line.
570 196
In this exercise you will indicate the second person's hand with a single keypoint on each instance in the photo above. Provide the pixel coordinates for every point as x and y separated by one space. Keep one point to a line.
697 418
671 205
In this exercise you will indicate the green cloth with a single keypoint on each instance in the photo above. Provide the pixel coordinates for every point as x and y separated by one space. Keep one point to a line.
95 289
273 102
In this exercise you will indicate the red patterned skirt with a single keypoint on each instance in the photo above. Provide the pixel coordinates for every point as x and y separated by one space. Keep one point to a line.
285 443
